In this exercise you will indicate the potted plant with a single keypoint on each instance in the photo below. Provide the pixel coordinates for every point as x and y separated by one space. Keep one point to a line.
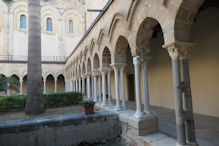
88 106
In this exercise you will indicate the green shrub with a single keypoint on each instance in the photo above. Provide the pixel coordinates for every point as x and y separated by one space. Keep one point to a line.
17 102
87 103
62 99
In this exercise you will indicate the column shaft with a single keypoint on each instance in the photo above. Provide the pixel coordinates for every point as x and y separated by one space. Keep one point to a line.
95 88
55 86
8 91
109 88
21 87
181 139
139 113
83 86
118 106
99 86
104 87
79 80
44 87
146 91
92 88
123 87
88 87
190 126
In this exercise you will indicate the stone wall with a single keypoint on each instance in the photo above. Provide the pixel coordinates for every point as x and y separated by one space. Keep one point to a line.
63 130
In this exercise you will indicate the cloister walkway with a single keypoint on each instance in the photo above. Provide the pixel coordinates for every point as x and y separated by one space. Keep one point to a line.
207 127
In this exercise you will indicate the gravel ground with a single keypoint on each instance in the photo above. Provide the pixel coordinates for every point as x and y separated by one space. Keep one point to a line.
5 116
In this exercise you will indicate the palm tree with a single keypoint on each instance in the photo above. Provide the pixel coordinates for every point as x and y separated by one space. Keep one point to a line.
4 86
34 101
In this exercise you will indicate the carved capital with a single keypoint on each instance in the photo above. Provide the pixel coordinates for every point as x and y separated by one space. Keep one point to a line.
96 73
179 50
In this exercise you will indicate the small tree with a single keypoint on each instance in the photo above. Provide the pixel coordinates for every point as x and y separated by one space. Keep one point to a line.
8 83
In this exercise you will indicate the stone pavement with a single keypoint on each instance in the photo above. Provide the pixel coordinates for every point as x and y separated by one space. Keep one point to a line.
207 127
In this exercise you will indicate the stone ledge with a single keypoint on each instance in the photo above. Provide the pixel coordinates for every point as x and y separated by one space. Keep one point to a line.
24 125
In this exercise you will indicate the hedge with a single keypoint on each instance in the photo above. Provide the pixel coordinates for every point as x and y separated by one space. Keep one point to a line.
17 102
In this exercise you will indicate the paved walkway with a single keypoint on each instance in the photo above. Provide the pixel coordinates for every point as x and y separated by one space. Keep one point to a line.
207 127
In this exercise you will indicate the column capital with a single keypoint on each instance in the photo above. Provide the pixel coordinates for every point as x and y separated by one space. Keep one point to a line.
104 69
179 50
21 80
145 59
83 76
88 74
95 72
118 65
137 60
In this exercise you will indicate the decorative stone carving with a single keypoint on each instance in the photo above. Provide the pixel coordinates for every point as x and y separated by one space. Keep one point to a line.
179 50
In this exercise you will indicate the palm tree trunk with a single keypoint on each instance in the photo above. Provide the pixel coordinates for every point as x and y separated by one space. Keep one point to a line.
34 101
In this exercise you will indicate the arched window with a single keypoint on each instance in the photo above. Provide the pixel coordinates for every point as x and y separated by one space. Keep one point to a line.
49 24
23 21
70 27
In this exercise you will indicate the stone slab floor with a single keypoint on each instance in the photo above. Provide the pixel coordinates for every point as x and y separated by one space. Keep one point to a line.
207 127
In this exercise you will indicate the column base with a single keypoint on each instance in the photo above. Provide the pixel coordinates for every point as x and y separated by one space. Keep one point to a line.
149 124
103 104
118 108
141 115
193 144
124 108
177 144
110 103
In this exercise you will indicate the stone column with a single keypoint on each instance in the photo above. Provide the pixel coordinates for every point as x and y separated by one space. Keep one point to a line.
95 88
174 53
95 75
44 86
116 73
99 86
109 87
8 91
92 87
145 84
88 86
55 85
76 84
139 114
189 123
21 86
79 80
121 68
83 85
67 85
103 73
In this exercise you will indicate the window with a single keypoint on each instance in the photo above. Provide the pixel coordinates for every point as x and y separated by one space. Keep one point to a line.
70 27
49 24
23 21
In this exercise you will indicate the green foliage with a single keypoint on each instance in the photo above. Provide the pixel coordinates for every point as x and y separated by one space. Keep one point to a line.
7 1
4 83
62 99
87 103
17 102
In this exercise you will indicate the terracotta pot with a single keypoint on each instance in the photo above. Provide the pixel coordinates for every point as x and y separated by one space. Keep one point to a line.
88 110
